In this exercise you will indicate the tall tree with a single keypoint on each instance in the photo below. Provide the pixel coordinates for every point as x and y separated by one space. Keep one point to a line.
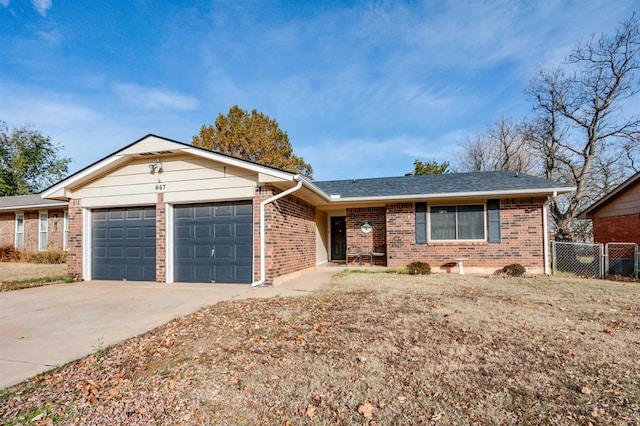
252 136
582 127
504 146
29 161
430 167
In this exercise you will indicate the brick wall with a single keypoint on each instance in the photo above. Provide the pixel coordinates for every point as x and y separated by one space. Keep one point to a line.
55 231
7 229
161 240
74 254
521 231
617 229
290 239
367 242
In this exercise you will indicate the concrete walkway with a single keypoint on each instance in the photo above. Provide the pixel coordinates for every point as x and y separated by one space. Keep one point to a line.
44 327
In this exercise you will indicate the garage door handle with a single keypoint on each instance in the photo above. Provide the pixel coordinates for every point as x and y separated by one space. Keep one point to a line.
213 251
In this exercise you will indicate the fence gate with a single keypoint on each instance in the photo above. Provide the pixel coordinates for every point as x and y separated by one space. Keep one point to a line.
621 259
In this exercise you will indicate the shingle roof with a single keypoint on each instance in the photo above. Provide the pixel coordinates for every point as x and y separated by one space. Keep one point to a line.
452 183
19 202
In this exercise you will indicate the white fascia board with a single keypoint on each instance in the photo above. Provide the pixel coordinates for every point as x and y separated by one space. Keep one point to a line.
35 206
488 194
82 175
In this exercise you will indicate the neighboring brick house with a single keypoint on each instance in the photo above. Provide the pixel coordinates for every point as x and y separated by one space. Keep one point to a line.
616 216
170 212
28 222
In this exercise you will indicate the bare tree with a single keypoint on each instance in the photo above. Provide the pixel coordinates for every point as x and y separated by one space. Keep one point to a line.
582 131
504 146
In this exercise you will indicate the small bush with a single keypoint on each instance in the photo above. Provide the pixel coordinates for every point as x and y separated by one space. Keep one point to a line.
9 254
514 270
52 257
418 268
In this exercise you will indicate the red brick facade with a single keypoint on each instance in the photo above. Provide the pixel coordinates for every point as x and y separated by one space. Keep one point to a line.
521 225
290 239
55 228
74 254
370 241
161 239
617 229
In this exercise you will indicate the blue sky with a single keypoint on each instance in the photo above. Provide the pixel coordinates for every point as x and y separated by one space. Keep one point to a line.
362 88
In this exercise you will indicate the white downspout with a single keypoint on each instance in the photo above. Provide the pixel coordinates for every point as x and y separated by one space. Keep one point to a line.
262 226
545 237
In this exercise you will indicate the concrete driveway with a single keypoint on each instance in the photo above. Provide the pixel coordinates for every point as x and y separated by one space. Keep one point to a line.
45 327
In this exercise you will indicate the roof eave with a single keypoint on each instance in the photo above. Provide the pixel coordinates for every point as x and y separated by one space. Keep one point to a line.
470 194
34 206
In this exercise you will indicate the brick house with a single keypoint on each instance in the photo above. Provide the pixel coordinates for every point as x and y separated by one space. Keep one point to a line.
160 210
29 222
616 216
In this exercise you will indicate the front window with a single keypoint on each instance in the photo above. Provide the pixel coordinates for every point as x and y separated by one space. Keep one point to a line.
44 226
19 243
65 231
449 223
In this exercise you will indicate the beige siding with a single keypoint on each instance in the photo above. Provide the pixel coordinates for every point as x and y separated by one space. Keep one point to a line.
625 204
182 179
322 237
152 144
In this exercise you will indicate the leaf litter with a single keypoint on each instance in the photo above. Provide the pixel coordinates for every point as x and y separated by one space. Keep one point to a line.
380 349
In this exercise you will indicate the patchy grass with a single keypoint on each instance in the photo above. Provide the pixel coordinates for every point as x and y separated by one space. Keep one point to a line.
16 276
389 349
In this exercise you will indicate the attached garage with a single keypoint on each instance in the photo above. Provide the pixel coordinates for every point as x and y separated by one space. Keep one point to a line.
123 244
213 242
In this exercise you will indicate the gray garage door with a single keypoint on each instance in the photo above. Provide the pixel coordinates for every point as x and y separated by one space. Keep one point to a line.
123 244
214 242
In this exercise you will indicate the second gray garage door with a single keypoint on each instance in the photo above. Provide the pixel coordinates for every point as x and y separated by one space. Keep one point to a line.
214 242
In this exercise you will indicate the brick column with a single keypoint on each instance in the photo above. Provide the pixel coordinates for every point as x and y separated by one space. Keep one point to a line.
161 239
74 253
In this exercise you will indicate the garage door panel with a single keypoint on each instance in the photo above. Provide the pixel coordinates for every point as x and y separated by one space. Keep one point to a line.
208 252
244 210
244 230
202 231
223 230
123 244
116 215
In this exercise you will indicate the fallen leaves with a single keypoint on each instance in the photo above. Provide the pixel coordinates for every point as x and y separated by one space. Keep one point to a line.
350 357
366 410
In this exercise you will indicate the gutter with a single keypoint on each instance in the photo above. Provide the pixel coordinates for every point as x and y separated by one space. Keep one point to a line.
260 282
534 192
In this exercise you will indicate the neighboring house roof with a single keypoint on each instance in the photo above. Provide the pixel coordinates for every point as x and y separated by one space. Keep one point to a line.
27 202
588 212
493 183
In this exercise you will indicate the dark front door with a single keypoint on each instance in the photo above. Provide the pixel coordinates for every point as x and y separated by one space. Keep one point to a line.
338 238
213 242
123 244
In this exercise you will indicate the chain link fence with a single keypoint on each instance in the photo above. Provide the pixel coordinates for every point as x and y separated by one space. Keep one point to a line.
595 260
582 259
621 259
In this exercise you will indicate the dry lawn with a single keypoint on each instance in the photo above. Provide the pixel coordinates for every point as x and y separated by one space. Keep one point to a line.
368 349
10 271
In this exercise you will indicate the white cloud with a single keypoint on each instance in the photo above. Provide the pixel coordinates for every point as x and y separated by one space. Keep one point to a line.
41 6
153 98
5 3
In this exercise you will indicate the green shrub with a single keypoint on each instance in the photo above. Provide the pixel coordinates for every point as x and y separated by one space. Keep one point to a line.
52 256
9 254
418 268
514 270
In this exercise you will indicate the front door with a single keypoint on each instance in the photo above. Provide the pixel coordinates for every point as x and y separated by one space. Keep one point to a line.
338 238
